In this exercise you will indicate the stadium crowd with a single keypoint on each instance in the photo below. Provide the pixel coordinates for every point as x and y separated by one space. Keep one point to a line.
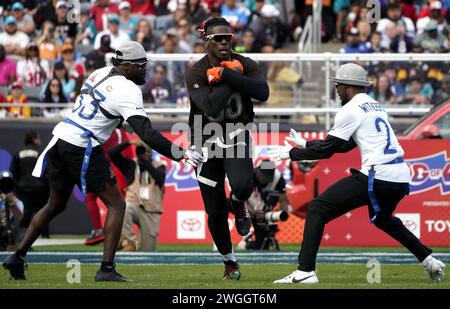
47 49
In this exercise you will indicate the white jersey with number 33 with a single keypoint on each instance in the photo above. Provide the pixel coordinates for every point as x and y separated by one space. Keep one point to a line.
365 120
117 95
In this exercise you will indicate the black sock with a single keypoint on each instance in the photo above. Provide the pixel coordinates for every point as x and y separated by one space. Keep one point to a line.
107 266
20 254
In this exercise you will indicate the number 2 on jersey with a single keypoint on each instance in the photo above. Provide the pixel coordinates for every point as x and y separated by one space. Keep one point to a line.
387 150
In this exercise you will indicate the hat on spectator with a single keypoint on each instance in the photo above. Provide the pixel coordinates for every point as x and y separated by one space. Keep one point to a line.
436 5
431 26
66 47
354 31
351 74
114 19
59 65
124 5
130 50
269 10
10 20
171 32
61 4
394 5
17 6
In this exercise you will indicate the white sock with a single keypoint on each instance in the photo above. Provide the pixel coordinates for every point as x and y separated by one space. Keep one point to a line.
427 259
230 257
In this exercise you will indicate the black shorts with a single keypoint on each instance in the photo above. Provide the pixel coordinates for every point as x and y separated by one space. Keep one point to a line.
64 162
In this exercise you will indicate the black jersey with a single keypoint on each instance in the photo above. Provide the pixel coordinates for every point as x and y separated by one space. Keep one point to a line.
228 101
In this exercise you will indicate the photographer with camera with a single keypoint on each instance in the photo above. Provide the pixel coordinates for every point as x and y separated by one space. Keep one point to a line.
269 190
11 212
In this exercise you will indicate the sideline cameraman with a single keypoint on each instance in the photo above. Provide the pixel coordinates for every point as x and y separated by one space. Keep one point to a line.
11 212
269 190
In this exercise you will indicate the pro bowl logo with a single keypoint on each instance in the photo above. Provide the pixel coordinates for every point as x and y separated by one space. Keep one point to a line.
182 175
430 172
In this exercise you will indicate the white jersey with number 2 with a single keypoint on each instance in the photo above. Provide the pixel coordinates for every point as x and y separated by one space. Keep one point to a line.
365 120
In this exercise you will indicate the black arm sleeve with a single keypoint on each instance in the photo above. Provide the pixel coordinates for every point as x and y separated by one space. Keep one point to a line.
125 165
346 147
158 174
212 103
255 86
143 128
322 149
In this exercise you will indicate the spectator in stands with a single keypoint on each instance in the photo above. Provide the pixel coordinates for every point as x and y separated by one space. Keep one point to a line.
409 9
199 47
33 71
16 95
45 11
382 91
101 8
64 28
7 68
86 30
255 10
76 69
397 88
375 43
143 7
196 13
417 92
354 45
431 40
394 15
269 29
425 10
340 9
443 92
175 70
53 93
68 83
402 42
13 40
128 23
390 31
247 43
24 21
435 14
146 37
235 14
48 43
145 179
117 36
185 34
158 89
97 56
32 191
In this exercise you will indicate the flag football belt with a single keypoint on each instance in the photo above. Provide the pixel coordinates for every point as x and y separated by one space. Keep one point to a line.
372 197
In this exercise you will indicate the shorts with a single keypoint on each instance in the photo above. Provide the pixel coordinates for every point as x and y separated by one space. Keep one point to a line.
64 162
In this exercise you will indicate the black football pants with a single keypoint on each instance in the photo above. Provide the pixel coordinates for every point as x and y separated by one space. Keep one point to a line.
348 194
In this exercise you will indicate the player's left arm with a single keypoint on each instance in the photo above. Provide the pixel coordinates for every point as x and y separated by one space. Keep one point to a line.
346 147
252 83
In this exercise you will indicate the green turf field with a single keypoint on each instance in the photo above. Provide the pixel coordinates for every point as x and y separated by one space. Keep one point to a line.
210 277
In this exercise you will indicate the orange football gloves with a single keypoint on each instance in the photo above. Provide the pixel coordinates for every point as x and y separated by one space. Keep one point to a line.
234 65
213 75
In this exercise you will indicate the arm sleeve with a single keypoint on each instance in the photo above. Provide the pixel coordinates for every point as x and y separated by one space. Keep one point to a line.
252 83
143 128
157 173
323 149
124 164
346 147
211 100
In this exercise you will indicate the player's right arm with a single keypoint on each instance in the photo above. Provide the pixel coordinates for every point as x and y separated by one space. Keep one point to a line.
211 100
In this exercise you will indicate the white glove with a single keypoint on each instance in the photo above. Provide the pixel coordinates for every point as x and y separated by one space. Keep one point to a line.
193 158
295 138
280 153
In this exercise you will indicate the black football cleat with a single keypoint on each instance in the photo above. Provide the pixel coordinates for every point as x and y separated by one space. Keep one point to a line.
16 267
232 271
241 217
110 276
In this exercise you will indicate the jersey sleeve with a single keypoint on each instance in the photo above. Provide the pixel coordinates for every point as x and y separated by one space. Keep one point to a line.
195 80
130 104
345 124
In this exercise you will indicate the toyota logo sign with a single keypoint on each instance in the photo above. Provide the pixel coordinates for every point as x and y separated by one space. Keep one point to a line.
191 224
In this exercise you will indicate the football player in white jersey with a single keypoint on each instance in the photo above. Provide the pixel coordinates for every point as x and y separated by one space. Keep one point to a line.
74 156
381 183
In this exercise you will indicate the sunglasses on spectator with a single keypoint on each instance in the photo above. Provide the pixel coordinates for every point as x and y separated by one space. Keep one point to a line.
219 37
141 65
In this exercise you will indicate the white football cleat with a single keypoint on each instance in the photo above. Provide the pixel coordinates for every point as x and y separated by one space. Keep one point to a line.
434 268
299 276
